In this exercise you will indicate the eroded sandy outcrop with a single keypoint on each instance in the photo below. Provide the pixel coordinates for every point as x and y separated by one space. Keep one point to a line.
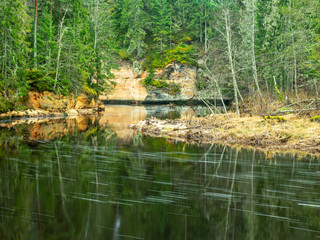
129 87
49 101
48 104
183 75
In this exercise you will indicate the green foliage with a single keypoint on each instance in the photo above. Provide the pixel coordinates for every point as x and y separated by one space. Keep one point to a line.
279 118
123 53
20 104
6 106
181 53
150 78
174 89
315 54
315 118
279 93
162 23
40 80
151 83
78 44
202 83
14 27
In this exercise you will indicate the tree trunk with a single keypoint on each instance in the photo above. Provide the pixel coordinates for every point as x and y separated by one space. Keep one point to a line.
5 61
295 68
50 37
51 10
200 26
205 31
35 32
96 16
217 88
294 82
229 43
253 56
61 32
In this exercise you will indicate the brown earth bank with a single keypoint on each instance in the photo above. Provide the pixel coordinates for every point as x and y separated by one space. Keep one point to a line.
288 134
47 104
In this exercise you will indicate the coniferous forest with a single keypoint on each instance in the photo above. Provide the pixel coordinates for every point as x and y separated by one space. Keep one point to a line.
246 46
159 119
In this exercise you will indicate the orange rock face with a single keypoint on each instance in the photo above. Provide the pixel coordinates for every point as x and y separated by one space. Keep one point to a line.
82 102
52 102
34 100
128 85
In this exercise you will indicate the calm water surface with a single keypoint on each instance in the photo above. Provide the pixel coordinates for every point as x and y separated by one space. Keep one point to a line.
93 178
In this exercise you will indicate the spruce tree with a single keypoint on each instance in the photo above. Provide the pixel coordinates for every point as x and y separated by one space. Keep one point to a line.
14 26
161 21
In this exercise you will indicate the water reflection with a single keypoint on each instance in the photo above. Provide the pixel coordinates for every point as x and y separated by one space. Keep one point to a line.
77 180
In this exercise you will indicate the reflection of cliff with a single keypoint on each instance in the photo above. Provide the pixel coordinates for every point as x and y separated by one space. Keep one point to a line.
116 117
120 117
53 129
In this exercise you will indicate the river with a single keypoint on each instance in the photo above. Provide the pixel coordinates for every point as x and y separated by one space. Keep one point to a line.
94 178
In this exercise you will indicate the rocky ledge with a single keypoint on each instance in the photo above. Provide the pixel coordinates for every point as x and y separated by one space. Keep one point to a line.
48 104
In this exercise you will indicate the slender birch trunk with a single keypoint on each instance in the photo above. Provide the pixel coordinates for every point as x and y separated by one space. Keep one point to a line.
217 88
96 17
205 31
295 74
253 55
5 60
229 43
50 37
61 32
35 32
295 67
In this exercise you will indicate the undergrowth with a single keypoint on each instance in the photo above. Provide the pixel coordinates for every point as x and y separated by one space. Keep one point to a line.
151 83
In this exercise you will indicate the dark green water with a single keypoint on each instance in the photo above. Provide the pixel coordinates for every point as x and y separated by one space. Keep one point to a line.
84 179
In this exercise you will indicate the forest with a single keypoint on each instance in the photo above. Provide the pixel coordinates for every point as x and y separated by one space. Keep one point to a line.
249 47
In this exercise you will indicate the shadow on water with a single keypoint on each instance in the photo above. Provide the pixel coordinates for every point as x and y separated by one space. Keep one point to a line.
91 178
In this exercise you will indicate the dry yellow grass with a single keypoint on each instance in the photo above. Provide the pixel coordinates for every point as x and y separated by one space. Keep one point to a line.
267 134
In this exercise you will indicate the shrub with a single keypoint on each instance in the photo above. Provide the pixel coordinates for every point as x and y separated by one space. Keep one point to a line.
181 53
6 106
40 80
202 84
174 89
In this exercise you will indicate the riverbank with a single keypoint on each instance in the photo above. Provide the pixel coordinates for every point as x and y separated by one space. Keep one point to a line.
290 134
39 113
48 104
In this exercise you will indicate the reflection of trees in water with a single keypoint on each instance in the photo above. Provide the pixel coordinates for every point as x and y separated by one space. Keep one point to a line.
85 183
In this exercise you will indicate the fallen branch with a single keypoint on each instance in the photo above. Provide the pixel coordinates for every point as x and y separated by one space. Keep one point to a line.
292 110
305 108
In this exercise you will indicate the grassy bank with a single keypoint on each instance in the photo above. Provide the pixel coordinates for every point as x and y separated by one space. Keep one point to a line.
289 133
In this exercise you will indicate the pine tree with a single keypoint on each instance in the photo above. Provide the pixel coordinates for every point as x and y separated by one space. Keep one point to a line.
161 21
14 26
102 40
137 25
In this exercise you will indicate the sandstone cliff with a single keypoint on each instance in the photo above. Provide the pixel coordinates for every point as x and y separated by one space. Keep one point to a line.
129 87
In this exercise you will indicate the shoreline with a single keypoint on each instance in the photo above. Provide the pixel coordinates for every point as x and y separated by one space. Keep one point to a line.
295 135
39 114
